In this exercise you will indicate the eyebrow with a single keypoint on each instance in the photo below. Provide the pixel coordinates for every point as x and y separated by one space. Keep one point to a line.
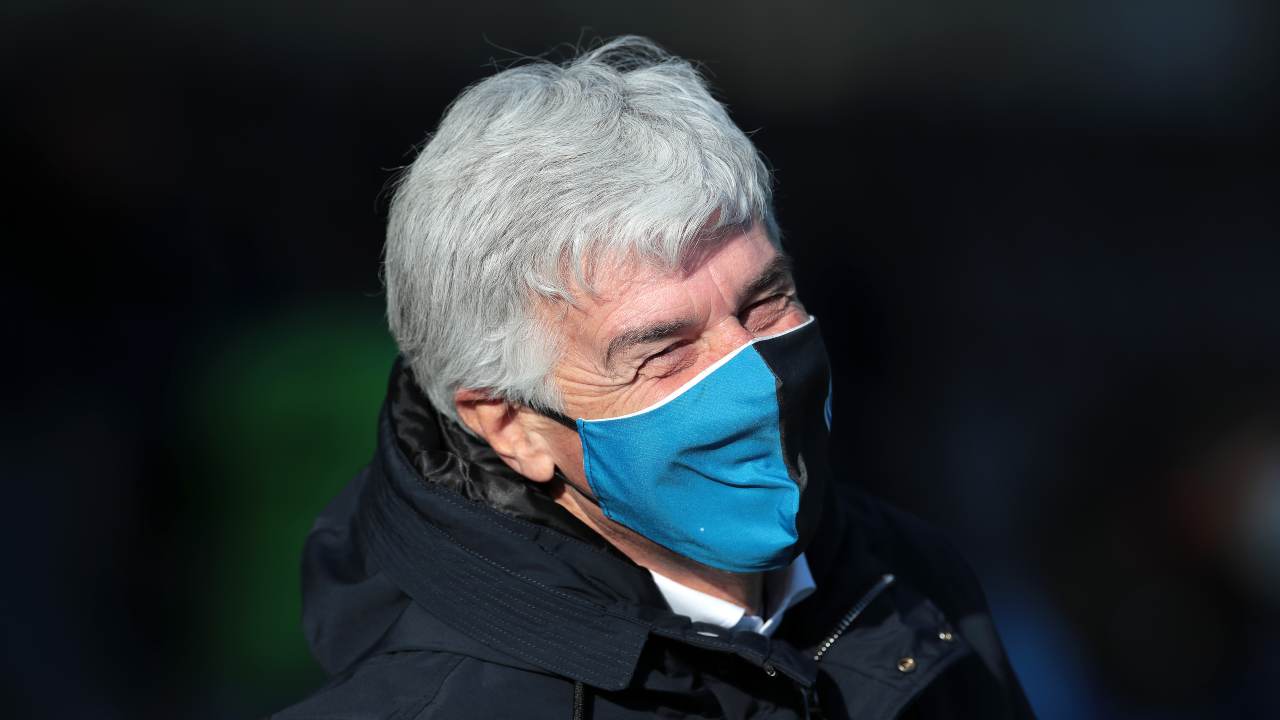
645 335
774 275
777 273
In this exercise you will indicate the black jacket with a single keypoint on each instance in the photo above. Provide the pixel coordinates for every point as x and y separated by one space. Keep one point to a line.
438 584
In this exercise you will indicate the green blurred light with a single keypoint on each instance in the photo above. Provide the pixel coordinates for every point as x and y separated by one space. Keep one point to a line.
284 414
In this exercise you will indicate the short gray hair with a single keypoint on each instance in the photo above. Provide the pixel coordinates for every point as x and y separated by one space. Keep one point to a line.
535 176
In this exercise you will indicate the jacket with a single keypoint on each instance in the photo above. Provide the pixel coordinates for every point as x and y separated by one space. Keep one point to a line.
439 584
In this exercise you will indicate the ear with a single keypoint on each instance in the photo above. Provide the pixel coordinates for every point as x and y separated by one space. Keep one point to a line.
509 430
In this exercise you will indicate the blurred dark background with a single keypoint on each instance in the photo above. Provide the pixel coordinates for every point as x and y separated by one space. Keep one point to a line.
1042 239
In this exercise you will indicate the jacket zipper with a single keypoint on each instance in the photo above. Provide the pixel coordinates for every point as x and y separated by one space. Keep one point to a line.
812 708
881 585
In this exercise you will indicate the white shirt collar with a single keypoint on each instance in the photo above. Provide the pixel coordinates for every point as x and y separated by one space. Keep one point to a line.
782 589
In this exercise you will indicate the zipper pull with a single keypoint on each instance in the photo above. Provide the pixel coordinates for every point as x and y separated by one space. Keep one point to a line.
881 585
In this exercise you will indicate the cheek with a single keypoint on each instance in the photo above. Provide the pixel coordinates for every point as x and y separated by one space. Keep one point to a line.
645 393
608 397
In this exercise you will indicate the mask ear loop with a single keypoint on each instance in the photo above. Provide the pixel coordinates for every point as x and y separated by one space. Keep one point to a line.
572 424
559 475
559 417
564 420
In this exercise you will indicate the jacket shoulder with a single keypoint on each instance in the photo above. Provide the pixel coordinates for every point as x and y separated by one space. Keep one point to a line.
925 558
430 685
920 554
484 690
393 685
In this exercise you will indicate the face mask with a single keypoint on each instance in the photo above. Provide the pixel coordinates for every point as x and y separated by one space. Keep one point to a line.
730 469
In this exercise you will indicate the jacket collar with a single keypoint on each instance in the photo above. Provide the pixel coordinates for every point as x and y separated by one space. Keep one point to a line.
472 568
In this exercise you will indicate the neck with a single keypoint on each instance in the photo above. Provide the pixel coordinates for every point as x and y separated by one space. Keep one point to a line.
741 589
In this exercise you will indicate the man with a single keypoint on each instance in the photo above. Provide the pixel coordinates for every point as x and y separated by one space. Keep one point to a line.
602 487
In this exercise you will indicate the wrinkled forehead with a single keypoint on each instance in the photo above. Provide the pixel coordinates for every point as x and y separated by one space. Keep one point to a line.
609 274
708 280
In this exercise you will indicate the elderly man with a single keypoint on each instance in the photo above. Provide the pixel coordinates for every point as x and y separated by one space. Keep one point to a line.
602 486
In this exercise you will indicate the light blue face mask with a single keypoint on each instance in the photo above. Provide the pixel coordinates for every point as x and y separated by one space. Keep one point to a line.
730 469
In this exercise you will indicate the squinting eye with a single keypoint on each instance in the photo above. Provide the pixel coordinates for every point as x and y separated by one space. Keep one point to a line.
760 315
669 361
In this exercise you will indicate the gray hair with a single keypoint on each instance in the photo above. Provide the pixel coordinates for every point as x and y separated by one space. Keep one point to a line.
535 176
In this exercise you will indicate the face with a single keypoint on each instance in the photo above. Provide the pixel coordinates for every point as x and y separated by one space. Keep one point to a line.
642 335
647 332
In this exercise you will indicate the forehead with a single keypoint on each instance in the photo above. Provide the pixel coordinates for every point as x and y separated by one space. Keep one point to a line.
703 290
